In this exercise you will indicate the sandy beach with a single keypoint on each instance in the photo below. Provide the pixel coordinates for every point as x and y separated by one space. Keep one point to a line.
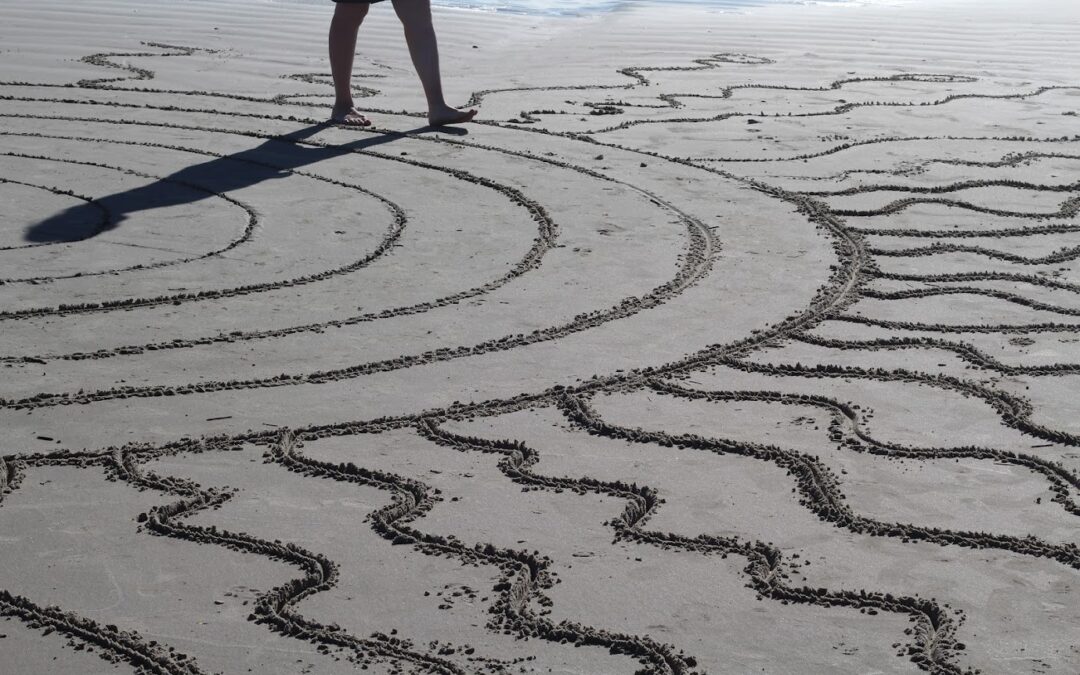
723 342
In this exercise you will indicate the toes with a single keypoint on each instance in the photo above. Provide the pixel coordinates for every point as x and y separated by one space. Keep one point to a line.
349 117
358 118
351 120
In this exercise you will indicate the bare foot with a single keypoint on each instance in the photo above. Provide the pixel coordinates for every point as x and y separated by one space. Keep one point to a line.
448 115
349 117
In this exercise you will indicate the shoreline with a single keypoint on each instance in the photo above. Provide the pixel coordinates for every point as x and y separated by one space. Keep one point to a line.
570 9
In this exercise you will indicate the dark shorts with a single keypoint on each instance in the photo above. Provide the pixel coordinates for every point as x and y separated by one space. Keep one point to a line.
357 2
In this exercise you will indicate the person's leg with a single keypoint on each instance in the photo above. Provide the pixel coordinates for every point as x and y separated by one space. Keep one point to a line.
415 17
343 29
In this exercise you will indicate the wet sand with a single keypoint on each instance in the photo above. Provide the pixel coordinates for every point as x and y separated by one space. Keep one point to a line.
723 343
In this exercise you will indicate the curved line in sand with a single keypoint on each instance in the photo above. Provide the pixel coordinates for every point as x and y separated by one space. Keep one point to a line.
385 245
696 265
949 187
1059 256
835 295
1012 298
115 645
1032 279
1067 209
245 236
958 328
99 227
530 261
1038 230
890 139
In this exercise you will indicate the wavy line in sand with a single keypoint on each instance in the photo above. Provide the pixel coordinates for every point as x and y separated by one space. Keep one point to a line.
916 293
948 188
1067 209
275 607
847 429
1035 231
105 60
840 109
934 644
918 167
819 488
963 277
932 647
853 267
1013 411
525 574
632 72
671 101
963 350
1059 256
886 139
986 328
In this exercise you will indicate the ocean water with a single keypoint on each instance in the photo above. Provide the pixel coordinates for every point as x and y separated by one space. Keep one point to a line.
588 7
594 7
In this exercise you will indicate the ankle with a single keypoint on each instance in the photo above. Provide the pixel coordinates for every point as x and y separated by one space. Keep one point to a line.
344 105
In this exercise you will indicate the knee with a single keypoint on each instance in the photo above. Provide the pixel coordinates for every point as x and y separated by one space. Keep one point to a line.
415 15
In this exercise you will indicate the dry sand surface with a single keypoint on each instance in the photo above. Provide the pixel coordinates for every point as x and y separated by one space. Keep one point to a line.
725 343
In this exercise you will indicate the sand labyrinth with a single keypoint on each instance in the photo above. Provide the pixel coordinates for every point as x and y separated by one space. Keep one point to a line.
730 373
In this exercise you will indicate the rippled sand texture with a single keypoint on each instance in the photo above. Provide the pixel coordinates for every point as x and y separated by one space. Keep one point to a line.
724 344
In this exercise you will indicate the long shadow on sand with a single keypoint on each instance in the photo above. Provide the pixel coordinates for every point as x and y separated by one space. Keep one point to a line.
273 159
